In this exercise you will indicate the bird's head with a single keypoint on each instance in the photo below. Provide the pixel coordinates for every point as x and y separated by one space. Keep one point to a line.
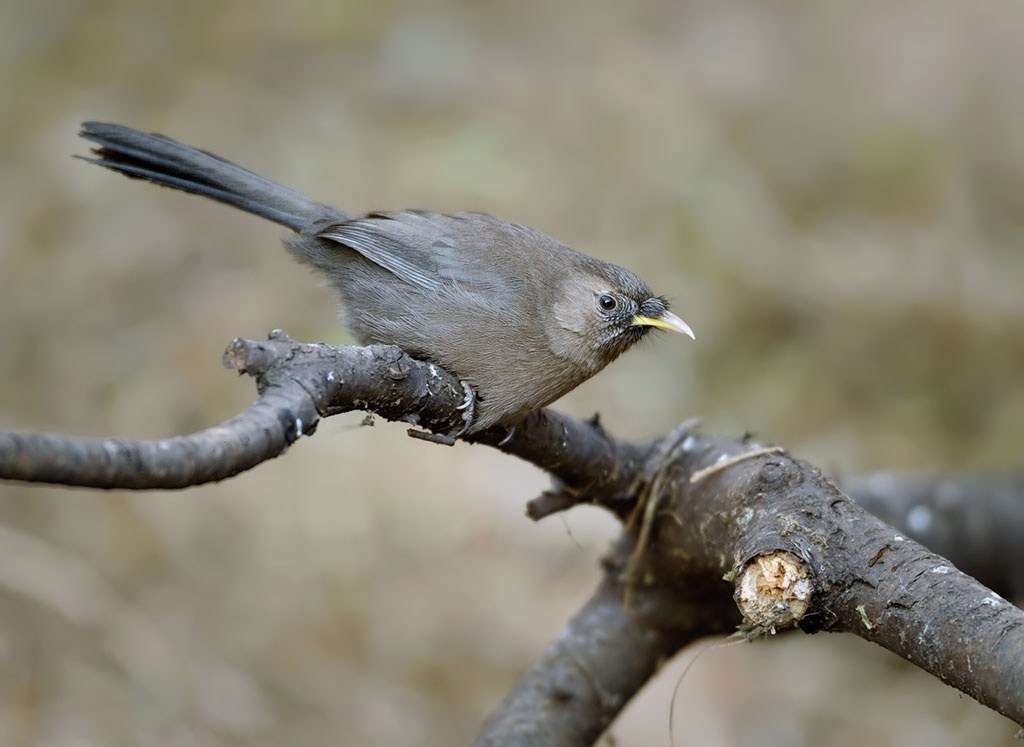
605 310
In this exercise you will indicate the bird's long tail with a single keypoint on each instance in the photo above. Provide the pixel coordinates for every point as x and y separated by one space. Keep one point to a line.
170 163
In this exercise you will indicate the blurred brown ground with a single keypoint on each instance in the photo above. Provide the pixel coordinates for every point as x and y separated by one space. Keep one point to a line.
832 194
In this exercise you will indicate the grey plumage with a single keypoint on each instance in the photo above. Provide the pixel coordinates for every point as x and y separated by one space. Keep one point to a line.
516 314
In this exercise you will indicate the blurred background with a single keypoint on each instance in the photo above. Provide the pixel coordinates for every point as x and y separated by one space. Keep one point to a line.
831 194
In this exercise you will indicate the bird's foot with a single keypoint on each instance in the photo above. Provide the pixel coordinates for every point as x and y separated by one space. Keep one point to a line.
468 408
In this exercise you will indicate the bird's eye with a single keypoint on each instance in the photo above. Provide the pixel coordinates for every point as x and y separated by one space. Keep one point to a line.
608 303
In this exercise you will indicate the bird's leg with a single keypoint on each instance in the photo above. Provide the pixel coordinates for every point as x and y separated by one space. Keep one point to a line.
468 407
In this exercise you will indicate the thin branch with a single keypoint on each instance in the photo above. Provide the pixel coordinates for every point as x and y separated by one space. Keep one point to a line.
298 385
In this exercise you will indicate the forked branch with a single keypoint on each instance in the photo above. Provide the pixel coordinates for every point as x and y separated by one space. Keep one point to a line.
710 523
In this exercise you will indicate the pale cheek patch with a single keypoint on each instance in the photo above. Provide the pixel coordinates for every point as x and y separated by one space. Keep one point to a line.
569 317
577 311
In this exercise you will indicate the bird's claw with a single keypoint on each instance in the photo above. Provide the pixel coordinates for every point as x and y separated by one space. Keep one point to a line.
470 401
508 436
468 408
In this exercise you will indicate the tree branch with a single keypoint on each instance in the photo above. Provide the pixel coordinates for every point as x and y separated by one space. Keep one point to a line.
975 522
602 657
798 552
697 509
299 384
865 578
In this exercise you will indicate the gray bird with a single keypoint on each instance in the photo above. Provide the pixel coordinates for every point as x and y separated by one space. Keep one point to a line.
516 315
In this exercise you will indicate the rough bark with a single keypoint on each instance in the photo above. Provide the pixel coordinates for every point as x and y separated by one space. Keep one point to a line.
707 520
786 542
603 656
976 522
299 384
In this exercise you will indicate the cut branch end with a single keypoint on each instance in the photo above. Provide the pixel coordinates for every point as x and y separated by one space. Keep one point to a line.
774 591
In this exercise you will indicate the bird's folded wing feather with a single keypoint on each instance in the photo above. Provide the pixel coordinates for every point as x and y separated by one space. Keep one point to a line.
423 249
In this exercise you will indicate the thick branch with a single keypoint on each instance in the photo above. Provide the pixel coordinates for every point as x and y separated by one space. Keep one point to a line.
798 552
602 657
975 522
865 577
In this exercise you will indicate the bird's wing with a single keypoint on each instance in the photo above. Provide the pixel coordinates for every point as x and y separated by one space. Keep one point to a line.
428 250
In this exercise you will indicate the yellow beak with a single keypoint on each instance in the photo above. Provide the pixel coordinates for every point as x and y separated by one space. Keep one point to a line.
667 320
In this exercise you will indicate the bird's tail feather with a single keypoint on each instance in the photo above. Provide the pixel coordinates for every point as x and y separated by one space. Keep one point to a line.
167 162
